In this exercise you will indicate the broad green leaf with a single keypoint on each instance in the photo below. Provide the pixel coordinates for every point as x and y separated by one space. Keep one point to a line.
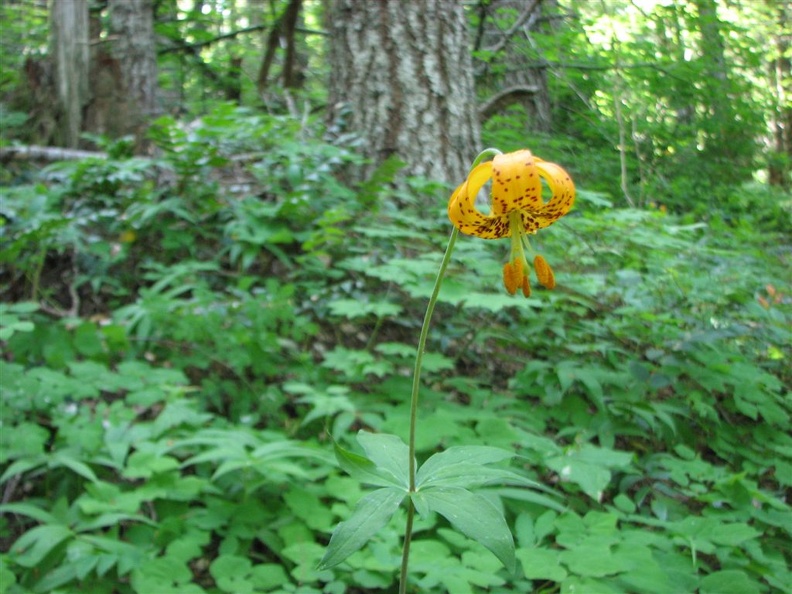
164 575
36 543
603 456
592 558
21 307
268 576
306 557
389 453
574 584
729 581
127 556
327 404
113 519
265 467
434 362
530 496
442 571
22 465
146 464
733 534
64 574
309 508
370 515
287 449
592 479
541 564
29 510
230 573
644 573
7 579
470 476
473 515
442 464
364 470
353 308
67 458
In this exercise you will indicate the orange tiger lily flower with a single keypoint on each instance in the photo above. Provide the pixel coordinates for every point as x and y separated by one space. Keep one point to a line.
517 209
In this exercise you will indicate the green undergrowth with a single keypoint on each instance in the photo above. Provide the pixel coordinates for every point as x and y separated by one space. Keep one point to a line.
184 339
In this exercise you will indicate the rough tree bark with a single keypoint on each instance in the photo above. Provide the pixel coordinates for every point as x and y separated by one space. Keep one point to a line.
401 78
132 28
69 47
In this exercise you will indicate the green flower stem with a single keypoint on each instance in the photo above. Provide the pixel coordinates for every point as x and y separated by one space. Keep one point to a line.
416 385
406 548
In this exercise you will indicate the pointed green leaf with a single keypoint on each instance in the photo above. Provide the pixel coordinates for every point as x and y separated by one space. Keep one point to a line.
530 496
22 465
30 510
467 455
420 504
469 476
473 515
364 470
592 479
36 543
370 515
729 581
67 458
389 453
541 564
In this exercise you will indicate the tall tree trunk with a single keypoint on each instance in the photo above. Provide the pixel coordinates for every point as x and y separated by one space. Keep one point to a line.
713 55
780 165
281 35
401 78
69 47
132 24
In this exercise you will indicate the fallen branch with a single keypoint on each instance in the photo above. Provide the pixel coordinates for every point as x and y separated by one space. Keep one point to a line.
48 153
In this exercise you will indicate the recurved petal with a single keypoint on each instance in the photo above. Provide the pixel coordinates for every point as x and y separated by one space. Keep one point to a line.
563 191
461 206
515 183
463 212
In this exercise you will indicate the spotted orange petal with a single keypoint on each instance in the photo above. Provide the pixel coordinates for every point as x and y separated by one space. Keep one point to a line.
563 193
463 212
515 183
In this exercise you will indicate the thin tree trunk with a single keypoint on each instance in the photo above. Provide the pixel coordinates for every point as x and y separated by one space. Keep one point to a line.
713 52
69 46
401 78
781 75
282 33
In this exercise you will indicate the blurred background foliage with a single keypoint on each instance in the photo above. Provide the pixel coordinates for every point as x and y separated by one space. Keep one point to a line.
186 329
